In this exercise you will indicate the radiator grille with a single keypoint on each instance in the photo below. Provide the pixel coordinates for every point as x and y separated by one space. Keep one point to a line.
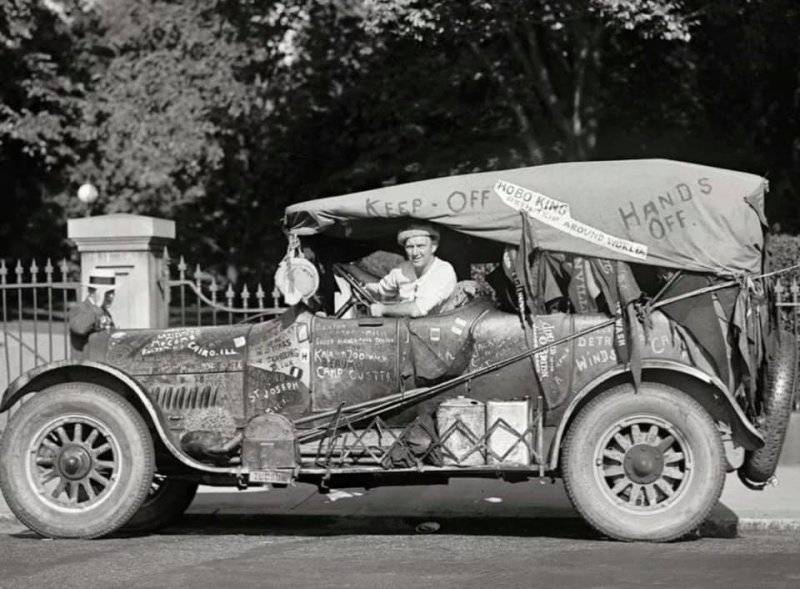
185 397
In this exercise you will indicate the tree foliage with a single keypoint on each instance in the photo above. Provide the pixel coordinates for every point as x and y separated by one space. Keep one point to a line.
41 92
545 60
219 113
154 121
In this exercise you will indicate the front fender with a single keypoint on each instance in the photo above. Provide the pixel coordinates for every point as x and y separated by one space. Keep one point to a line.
752 438
46 375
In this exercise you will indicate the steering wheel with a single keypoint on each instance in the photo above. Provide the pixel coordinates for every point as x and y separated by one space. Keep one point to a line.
359 295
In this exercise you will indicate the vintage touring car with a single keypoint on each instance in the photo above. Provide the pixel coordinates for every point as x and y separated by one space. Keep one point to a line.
628 343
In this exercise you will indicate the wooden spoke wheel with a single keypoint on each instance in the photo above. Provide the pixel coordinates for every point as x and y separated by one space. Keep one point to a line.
76 461
646 465
643 463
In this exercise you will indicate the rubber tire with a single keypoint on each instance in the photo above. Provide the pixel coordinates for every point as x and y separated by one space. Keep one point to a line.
136 453
778 395
684 414
163 508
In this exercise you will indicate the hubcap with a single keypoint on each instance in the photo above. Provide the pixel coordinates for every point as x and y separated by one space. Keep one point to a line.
643 463
74 463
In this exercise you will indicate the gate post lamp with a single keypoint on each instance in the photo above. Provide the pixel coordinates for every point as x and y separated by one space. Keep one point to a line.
87 194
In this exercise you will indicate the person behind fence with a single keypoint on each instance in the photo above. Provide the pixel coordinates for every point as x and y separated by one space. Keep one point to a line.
418 286
92 313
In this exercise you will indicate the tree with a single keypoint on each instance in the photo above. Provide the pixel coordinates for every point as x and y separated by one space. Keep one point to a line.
749 91
154 120
546 59
219 113
41 91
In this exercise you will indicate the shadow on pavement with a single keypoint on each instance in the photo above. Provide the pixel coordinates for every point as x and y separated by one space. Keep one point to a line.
723 523
326 525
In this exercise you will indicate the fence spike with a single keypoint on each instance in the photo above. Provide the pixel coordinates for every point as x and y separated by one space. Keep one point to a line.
34 270
48 270
197 273
213 288
182 265
63 267
260 296
229 294
245 297
3 269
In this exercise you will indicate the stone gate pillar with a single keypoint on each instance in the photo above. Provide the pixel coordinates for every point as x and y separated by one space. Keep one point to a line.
132 246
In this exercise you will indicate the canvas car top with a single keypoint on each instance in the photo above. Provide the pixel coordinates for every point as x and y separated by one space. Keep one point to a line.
659 212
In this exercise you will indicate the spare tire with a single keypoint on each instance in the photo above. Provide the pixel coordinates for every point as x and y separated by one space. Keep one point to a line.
777 397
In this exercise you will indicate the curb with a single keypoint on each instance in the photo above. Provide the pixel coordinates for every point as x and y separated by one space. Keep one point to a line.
784 525
732 528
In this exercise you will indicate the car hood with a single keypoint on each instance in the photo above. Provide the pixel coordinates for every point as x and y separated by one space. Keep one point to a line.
173 351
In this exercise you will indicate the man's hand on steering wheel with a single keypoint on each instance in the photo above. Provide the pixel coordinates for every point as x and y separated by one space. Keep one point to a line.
359 295
358 287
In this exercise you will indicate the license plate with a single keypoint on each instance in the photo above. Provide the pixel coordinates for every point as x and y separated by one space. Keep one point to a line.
271 476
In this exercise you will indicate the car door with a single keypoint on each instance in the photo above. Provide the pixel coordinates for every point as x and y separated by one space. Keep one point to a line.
355 360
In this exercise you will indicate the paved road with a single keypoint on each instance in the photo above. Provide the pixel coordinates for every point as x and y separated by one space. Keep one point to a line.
296 556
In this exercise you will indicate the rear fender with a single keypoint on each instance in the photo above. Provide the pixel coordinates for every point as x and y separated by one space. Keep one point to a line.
41 377
708 390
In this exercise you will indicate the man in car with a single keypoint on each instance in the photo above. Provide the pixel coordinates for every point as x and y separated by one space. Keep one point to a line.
418 286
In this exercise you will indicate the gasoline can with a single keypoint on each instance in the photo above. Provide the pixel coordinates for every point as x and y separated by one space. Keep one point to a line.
461 425
508 439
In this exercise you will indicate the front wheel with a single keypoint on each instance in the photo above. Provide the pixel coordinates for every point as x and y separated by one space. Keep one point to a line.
76 461
645 466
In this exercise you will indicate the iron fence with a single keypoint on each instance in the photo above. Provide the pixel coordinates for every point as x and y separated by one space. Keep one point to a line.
203 300
34 305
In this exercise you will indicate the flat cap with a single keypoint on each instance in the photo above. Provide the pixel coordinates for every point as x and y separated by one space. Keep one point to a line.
417 230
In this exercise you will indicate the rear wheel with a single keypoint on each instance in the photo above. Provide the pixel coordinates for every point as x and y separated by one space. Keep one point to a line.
76 461
643 466
166 501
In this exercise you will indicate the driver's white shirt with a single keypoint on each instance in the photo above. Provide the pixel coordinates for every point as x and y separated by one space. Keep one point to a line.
428 291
